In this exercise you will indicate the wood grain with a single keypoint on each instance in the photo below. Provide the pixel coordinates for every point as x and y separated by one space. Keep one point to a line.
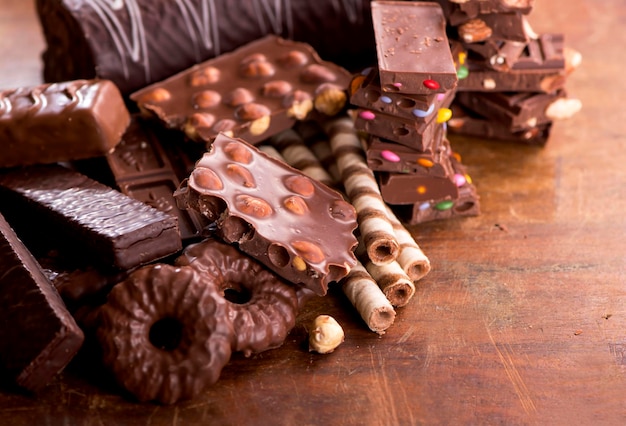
522 319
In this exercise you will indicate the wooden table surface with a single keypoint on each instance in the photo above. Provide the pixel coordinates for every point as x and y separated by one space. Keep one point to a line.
522 319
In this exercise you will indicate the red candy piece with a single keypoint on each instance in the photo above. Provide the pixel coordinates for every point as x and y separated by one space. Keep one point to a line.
431 84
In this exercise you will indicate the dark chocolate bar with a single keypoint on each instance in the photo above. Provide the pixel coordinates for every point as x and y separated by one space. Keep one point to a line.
88 216
466 123
365 92
252 93
139 42
412 46
143 171
419 136
60 122
38 336
386 156
296 226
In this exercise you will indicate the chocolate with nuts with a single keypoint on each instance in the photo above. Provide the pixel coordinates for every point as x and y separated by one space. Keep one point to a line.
57 122
252 93
297 227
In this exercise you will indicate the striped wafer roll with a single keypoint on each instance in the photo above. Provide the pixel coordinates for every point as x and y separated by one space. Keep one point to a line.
317 141
368 299
411 258
271 151
295 152
363 191
393 281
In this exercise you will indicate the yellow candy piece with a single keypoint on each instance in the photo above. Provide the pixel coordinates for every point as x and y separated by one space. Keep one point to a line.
443 115
462 57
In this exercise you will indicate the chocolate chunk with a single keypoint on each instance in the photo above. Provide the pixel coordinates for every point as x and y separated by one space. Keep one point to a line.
296 226
496 26
139 42
410 188
38 336
365 92
88 216
60 122
143 170
253 93
412 45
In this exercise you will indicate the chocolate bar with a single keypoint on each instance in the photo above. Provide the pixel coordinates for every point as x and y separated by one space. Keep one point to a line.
419 136
135 43
38 337
515 110
114 229
469 9
387 156
143 171
252 93
60 122
412 47
296 226
365 92
470 124
496 26
410 188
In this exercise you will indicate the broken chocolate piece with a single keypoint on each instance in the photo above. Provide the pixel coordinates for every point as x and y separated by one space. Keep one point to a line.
296 226
38 336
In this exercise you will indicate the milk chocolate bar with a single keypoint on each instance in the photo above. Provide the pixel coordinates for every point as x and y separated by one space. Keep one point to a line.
90 217
38 336
410 188
143 170
412 47
472 8
252 93
60 122
365 92
296 226
419 136
515 110
470 124
496 26
386 156
135 43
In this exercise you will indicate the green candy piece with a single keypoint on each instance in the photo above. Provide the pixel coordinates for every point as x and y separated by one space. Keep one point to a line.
444 205
462 72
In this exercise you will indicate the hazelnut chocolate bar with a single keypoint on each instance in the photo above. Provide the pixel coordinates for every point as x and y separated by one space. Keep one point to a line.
296 226
365 92
419 136
60 122
143 170
412 47
135 43
38 336
387 156
252 93
88 216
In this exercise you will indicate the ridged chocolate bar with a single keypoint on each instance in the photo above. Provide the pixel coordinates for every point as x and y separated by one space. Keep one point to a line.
135 43
252 93
296 226
60 122
38 336
116 229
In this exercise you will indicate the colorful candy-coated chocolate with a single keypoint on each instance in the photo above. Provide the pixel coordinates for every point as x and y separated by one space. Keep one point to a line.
459 180
425 162
390 156
424 206
443 115
423 114
421 189
444 205
385 99
431 84
462 72
367 115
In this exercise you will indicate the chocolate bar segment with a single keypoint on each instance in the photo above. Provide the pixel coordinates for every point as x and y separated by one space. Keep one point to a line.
412 46
252 93
135 43
143 170
88 216
296 226
38 336
410 188
60 122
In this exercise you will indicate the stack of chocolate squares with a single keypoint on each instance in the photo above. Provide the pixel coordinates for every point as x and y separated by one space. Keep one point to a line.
511 80
402 110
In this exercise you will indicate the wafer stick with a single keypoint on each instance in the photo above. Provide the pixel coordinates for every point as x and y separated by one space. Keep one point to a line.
395 284
317 141
411 257
362 189
271 151
368 299
295 152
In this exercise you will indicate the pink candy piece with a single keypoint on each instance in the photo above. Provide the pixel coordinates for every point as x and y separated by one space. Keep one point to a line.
441 96
459 180
390 156
367 115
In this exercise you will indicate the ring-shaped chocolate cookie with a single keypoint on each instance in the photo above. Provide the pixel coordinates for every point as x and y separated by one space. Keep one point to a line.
165 334
262 305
